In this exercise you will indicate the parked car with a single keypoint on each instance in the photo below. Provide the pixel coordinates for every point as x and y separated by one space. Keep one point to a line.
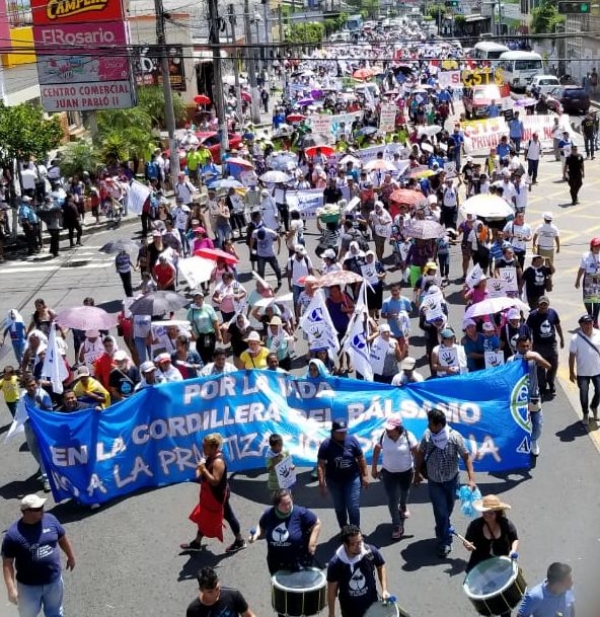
543 83
569 100
477 99
210 139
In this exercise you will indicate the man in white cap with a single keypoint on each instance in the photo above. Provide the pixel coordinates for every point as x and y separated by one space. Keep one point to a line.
166 368
148 375
545 237
407 373
31 560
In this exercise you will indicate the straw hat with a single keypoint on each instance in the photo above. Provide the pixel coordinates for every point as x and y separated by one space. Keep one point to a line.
490 503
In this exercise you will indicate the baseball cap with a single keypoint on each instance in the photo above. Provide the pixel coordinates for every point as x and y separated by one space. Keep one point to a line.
384 328
585 319
393 423
30 502
83 371
488 326
543 300
147 366
514 314
328 254
547 216
408 364
300 249
447 333
120 355
339 425
162 357
595 242
468 322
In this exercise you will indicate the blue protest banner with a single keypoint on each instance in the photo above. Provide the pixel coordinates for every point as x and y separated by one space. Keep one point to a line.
155 437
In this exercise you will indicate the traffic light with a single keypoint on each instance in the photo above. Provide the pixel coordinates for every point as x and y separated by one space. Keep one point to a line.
574 8
452 4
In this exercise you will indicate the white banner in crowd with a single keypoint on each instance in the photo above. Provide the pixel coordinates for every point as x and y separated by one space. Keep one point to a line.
387 118
486 134
138 193
324 124
449 79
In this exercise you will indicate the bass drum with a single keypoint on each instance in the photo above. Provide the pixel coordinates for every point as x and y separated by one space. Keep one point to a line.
299 594
495 586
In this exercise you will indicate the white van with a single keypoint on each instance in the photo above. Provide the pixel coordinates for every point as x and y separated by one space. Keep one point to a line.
488 50
520 67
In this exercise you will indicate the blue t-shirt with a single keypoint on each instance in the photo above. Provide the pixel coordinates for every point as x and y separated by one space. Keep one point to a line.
35 550
491 343
503 150
473 346
357 586
539 601
17 332
391 306
341 458
287 538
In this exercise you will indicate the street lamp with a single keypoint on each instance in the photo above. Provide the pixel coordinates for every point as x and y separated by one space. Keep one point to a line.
257 20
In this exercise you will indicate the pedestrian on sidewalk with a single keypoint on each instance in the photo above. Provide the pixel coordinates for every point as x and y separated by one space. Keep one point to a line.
53 225
588 130
584 365
31 560
516 132
71 220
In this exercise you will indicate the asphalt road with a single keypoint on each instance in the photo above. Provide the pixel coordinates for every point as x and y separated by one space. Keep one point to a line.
129 564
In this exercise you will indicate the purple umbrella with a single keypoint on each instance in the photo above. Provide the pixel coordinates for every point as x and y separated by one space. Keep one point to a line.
316 94
305 102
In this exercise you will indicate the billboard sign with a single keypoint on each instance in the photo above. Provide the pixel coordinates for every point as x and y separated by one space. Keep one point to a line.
81 69
48 12
88 97
147 68
95 38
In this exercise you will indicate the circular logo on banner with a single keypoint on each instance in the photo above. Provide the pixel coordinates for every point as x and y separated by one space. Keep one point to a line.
518 404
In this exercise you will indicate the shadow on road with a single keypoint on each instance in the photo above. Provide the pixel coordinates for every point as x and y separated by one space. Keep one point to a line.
572 432
17 489
423 554
198 560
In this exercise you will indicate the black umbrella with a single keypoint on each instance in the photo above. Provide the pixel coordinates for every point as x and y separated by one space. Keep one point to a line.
158 303
120 245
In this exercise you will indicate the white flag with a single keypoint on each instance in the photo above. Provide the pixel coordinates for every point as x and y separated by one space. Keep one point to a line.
54 367
317 324
18 424
137 196
356 346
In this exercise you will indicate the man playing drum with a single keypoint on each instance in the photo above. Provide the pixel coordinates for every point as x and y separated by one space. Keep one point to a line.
351 575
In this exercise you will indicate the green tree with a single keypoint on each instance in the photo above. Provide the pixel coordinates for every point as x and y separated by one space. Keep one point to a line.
435 10
310 33
79 156
152 101
545 17
25 132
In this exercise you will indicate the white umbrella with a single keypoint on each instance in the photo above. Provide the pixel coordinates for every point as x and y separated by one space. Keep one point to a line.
275 176
349 159
263 302
380 165
495 305
429 130
487 206
196 270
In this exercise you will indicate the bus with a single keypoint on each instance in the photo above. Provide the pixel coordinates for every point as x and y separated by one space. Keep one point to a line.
488 50
520 67
354 23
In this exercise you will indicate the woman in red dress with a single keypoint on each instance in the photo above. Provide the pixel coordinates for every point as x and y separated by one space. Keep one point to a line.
214 505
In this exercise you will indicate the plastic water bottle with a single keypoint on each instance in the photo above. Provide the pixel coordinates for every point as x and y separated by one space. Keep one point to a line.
514 555
252 532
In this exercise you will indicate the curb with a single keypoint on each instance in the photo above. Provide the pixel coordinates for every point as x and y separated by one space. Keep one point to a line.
21 244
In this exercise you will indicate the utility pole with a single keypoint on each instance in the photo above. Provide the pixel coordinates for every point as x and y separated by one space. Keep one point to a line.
236 64
251 59
214 23
166 82
266 11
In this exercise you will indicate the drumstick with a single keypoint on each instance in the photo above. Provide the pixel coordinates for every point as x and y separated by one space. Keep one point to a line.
461 538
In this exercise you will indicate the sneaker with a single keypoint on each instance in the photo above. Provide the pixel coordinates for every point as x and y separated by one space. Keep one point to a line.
445 550
194 545
585 420
238 545
46 485
404 513
397 532
535 448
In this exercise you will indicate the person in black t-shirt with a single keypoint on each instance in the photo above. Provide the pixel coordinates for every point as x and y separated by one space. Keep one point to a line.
351 575
214 600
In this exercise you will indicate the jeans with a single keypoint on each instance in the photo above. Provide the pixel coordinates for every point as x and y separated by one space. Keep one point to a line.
54 241
532 169
443 496
126 279
588 140
284 215
397 487
593 309
547 377
231 518
223 232
583 383
444 261
574 187
272 261
141 347
346 500
19 349
75 227
34 448
537 421
33 597
517 142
